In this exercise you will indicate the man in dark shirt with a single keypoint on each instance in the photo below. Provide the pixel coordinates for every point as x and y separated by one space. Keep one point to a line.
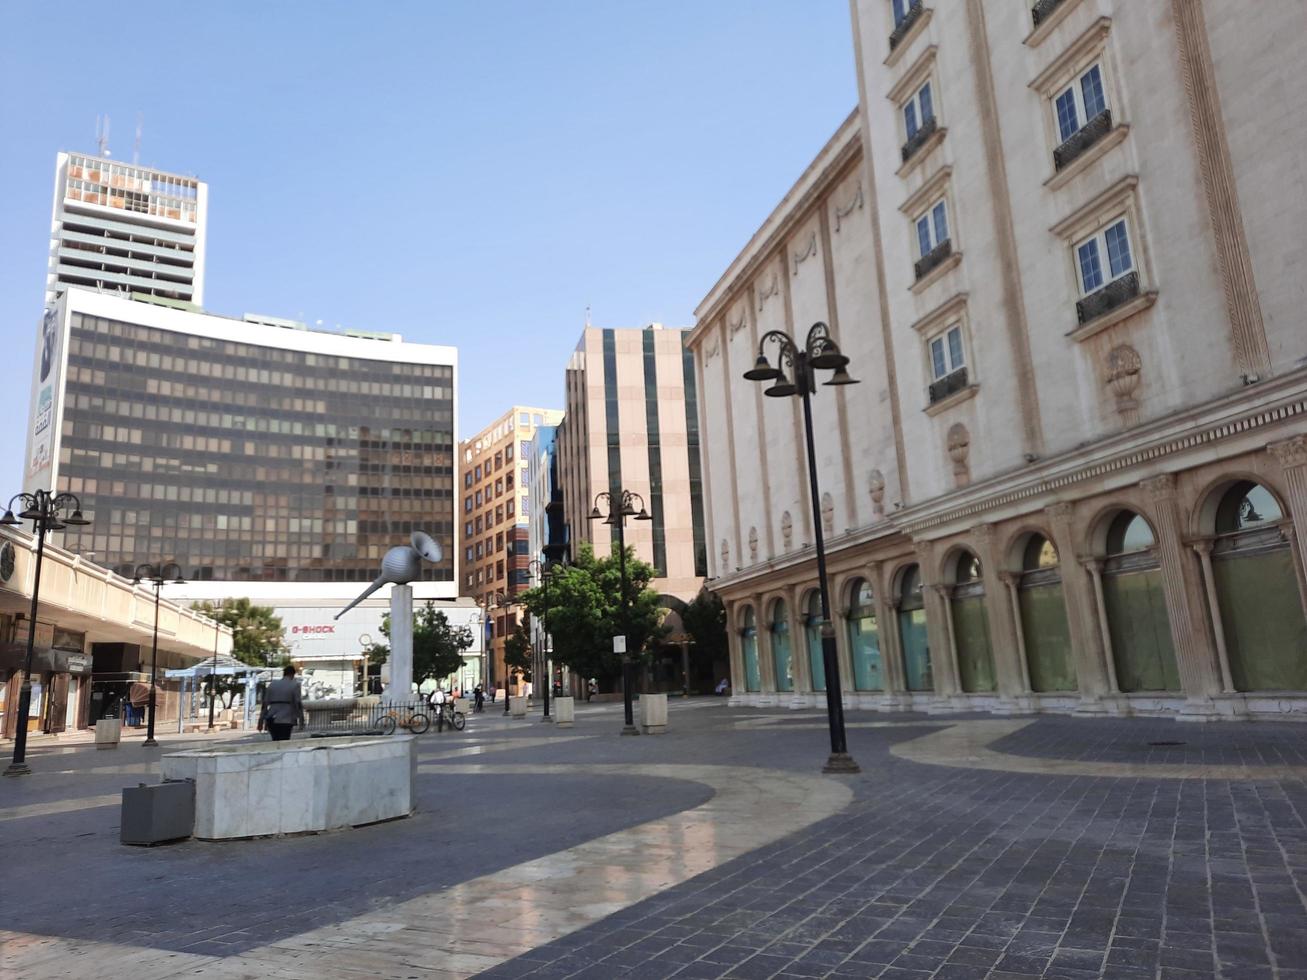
282 707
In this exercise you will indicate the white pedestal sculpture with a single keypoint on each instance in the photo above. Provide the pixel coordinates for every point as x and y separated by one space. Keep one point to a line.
564 711
517 706
108 732
401 644
264 788
653 713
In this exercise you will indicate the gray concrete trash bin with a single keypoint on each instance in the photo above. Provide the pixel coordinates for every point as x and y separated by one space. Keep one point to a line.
156 813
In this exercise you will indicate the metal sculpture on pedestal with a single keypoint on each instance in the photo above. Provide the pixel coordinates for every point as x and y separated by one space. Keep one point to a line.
400 566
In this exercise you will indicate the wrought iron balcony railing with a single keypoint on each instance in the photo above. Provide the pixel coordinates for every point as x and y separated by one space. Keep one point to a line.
1083 138
1114 294
917 139
950 384
933 258
1041 10
902 27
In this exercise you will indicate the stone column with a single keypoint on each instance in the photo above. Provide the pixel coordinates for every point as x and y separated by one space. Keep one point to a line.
766 664
1078 596
1094 566
401 644
1008 664
943 599
937 639
1194 654
839 620
1204 551
1011 583
1292 456
803 693
891 661
735 652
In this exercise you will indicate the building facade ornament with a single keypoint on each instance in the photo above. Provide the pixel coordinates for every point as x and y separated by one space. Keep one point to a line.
753 544
1123 365
855 204
959 451
1291 452
768 291
1160 487
787 530
827 513
876 486
800 256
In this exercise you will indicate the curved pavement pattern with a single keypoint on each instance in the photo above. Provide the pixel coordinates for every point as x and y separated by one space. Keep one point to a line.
443 935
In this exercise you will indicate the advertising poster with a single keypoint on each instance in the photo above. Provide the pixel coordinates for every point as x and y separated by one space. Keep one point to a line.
45 392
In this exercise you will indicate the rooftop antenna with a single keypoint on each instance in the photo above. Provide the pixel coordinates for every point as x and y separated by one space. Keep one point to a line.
136 149
102 134
587 317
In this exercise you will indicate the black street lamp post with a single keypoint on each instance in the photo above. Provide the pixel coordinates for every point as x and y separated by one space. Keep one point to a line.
213 675
621 505
43 509
158 577
542 567
819 353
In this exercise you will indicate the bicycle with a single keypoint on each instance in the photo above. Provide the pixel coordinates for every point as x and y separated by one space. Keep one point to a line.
413 720
449 715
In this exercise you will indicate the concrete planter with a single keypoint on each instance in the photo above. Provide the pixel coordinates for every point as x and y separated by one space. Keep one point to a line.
563 711
264 788
517 706
653 713
108 733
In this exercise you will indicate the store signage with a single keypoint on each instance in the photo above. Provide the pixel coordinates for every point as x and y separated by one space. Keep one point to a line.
313 630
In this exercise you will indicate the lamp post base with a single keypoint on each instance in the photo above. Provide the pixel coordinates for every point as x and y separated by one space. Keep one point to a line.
18 769
840 764
150 743
547 720
630 730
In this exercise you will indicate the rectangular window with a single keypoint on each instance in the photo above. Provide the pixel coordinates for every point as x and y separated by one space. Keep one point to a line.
1080 102
1113 243
946 352
918 111
932 229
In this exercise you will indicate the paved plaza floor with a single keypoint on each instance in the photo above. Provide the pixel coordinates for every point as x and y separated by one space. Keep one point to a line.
969 846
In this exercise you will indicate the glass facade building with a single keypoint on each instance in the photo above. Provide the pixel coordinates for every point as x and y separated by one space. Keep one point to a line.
252 462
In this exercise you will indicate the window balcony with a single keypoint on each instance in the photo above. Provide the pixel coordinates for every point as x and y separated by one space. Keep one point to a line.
1041 11
948 385
1082 139
1116 293
918 139
935 257
902 28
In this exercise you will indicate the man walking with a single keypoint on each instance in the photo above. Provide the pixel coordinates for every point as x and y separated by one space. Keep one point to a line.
282 706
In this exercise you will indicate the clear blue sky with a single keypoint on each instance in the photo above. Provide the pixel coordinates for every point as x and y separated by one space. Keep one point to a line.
464 172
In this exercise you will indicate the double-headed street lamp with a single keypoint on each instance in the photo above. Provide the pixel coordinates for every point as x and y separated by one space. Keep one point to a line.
621 505
541 567
45 510
157 576
819 353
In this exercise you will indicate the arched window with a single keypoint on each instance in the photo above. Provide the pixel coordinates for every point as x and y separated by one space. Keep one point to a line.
1257 590
749 650
812 636
912 632
971 625
780 646
864 637
1135 604
1043 618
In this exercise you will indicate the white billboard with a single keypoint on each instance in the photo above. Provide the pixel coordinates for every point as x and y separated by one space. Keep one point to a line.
47 374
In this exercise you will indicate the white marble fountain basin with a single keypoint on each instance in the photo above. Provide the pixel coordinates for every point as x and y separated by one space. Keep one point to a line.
262 788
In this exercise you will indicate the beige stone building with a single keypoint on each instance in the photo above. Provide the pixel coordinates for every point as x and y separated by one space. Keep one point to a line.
1062 247
495 523
631 421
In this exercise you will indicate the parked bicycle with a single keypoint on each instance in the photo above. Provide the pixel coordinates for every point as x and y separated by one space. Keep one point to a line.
447 715
405 717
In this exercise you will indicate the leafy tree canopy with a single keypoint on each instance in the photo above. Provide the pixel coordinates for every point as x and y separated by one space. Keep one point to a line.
257 637
517 651
705 620
583 612
438 647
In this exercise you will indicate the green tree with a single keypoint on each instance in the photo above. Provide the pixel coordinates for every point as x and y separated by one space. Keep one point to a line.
705 620
517 651
257 635
584 611
438 647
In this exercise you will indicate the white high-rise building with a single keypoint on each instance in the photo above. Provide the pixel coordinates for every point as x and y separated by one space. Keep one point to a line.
126 228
